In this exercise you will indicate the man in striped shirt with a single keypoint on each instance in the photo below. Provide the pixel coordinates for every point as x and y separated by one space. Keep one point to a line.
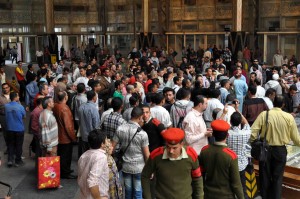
48 128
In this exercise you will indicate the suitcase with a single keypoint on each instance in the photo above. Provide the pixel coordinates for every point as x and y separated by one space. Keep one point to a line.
48 172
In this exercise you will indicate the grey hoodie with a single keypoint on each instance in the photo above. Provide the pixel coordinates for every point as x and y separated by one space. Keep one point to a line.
179 109
275 85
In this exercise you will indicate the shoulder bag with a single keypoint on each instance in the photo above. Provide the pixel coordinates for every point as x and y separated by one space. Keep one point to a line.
119 155
259 150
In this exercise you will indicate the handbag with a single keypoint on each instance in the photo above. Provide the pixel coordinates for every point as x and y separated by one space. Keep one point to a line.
48 172
259 150
119 155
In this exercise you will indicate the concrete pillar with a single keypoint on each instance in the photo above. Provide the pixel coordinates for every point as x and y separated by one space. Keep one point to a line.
146 16
237 15
265 47
49 12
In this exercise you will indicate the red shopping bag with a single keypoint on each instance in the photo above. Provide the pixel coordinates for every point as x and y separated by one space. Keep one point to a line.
48 172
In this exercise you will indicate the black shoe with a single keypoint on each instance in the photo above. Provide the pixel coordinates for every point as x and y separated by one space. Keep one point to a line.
9 164
70 176
19 164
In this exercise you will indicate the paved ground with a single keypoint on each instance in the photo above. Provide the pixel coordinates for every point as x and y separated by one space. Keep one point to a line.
23 179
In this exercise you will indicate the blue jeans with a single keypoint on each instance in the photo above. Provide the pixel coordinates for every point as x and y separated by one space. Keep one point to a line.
133 186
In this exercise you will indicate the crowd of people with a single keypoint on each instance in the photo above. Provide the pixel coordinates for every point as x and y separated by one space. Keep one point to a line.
181 130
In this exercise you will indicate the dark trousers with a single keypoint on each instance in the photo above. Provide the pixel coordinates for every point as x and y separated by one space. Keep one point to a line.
14 57
271 173
65 152
22 89
15 145
40 61
3 126
82 147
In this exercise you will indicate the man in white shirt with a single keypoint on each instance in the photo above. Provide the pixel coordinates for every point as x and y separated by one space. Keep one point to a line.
212 104
260 91
269 97
160 112
177 83
39 55
232 105
196 133
85 74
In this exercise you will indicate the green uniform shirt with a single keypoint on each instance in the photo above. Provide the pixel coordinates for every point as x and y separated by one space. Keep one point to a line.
180 178
221 172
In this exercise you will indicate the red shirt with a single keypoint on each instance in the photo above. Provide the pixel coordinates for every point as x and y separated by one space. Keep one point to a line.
148 82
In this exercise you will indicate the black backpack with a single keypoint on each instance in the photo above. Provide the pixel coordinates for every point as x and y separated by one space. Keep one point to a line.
181 118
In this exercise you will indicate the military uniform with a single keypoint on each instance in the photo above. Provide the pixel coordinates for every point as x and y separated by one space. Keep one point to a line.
220 169
175 178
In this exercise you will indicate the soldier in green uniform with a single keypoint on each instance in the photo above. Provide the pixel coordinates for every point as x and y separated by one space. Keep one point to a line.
175 168
219 166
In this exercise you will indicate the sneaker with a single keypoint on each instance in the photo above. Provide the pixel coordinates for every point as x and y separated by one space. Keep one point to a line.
19 164
9 164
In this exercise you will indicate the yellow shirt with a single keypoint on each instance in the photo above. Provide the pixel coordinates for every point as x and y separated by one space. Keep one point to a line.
20 70
281 128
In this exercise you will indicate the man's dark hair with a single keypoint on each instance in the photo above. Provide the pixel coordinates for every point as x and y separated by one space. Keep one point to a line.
219 136
29 66
230 98
293 88
182 93
80 88
49 80
145 106
61 95
133 101
116 103
44 72
252 89
253 73
151 87
89 72
39 101
13 95
269 92
167 89
158 98
255 66
136 112
236 119
185 82
90 95
4 84
224 82
94 83
279 101
215 93
199 99
149 97
46 101
66 69
95 138
175 79
118 83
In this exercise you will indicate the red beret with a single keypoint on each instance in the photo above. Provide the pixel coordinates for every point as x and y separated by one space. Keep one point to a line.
173 135
220 125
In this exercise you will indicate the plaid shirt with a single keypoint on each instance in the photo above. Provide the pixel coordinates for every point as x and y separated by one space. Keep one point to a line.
237 140
111 123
